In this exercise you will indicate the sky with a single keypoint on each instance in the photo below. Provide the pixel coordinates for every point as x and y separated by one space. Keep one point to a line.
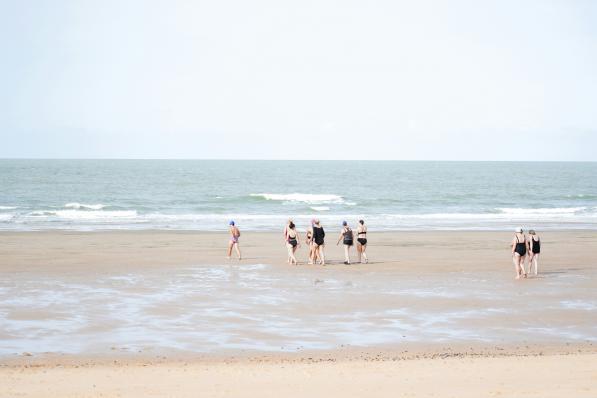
408 80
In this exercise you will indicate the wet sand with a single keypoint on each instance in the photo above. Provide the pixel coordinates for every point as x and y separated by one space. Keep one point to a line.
431 309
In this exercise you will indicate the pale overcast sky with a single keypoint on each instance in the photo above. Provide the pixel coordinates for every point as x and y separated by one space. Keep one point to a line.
464 80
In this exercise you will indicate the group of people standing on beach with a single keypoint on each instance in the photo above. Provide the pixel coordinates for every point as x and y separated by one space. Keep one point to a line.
524 248
315 241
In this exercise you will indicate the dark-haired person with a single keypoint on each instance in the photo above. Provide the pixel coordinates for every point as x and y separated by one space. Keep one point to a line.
292 242
234 235
534 248
347 237
362 242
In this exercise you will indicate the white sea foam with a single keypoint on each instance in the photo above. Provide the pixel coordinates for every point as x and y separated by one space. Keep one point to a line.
549 211
85 215
5 217
320 208
7 207
77 206
301 197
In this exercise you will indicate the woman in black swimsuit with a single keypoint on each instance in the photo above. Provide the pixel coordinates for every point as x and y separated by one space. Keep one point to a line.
519 252
534 248
362 241
346 236
292 242
318 241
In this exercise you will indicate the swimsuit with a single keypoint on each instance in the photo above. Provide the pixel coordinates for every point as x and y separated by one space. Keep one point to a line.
318 235
347 237
536 246
292 240
362 241
521 247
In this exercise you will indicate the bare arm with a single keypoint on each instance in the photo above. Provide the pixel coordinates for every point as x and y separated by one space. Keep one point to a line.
340 237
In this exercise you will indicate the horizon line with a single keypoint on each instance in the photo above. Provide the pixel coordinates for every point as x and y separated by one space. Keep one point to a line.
304 160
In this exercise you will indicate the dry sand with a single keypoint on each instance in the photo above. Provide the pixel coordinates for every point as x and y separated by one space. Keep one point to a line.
544 368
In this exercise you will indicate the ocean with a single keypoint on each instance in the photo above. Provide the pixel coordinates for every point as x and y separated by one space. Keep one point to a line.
261 195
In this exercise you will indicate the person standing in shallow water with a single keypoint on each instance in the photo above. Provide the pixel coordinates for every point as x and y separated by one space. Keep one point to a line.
233 243
346 236
362 242
534 248
519 251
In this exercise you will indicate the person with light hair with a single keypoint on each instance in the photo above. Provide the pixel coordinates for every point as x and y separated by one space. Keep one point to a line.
519 252
318 241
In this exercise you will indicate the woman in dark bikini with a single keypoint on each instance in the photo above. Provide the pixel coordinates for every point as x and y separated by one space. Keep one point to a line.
362 242
534 248
519 252
292 243
346 236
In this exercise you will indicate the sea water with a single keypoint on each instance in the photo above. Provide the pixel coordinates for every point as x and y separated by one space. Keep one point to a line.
262 307
261 195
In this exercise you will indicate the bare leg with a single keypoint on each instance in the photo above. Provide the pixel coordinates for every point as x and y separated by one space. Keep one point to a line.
237 250
516 261
347 254
364 253
359 248
536 258
294 249
321 254
289 249
230 244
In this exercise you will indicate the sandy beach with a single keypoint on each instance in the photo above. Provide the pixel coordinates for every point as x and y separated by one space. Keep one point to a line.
157 313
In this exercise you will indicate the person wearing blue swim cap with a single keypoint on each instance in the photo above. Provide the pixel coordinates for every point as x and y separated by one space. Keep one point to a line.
346 237
233 243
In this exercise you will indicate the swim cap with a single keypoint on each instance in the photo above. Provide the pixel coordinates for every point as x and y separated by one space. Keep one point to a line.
519 230
344 223
231 222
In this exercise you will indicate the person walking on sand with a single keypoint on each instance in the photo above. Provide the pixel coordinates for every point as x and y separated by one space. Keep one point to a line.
286 229
233 243
362 242
519 251
318 241
310 244
286 234
346 236
292 243
534 248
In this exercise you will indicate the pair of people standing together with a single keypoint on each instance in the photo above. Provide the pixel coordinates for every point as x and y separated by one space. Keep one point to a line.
523 247
315 240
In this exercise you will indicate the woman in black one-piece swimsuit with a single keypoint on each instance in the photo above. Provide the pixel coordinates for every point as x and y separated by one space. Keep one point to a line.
519 251
534 248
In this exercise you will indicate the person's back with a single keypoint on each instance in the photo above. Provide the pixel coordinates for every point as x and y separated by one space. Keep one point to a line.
534 248
318 235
